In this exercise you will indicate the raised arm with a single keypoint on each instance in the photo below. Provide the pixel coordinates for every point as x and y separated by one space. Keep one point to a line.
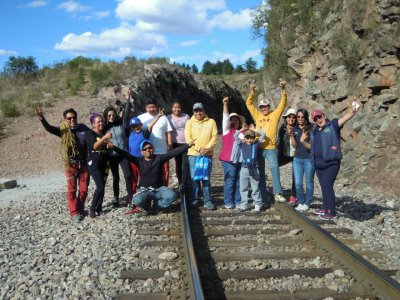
282 103
351 112
154 121
123 153
225 115
103 141
250 103
52 129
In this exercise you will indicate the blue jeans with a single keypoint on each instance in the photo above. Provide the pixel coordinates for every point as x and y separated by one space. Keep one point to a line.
272 157
196 183
231 183
163 196
301 167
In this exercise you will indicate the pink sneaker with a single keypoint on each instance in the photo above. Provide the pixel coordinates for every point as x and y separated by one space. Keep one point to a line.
292 200
321 211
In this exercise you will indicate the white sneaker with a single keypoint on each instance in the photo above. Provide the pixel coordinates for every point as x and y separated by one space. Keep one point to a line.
305 207
257 208
279 198
299 207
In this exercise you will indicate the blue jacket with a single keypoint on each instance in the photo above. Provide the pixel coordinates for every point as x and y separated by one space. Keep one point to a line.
330 138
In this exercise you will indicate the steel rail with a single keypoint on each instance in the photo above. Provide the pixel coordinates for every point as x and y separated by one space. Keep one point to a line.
195 287
383 286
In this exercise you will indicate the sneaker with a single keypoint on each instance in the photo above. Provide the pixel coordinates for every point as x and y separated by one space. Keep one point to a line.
135 210
237 206
209 205
292 200
326 216
76 219
194 204
257 208
320 211
299 207
279 198
302 207
229 206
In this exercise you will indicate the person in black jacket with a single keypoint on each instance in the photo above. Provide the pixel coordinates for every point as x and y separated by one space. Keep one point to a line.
74 151
152 196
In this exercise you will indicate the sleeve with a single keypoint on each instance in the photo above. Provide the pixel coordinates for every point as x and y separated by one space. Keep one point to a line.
90 140
236 137
261 134
168 126
188 133
214 135
125 117
126 155
49 128
172 153
252 109
281 106
225 123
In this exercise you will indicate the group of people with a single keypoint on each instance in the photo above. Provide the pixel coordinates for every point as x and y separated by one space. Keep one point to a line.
142 146
312 148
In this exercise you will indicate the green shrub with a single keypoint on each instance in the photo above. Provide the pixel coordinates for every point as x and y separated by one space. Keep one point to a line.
99 75
9 109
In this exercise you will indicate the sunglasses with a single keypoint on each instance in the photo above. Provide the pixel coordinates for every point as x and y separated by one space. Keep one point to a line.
147 148
300 117
263 106
71 118
111 115
317 118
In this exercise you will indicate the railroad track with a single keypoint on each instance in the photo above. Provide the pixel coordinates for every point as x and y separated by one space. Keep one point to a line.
278 254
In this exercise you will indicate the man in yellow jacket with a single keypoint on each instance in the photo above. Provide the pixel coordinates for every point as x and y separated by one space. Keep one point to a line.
267 121
203 131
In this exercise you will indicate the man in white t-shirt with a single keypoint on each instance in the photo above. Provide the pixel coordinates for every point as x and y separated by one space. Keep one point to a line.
161 133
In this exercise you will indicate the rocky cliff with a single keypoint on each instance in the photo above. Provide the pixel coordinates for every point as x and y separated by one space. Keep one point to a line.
353 51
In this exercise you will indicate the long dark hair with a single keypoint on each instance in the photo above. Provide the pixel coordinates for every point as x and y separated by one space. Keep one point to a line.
107 110
307 124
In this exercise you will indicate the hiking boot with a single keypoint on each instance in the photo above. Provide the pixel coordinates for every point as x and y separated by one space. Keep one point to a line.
279 198
76 219
209 205
292 200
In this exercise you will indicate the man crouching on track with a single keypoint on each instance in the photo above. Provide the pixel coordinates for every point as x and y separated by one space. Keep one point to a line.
152 196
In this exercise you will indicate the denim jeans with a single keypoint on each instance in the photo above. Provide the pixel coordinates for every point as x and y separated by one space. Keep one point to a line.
301 167
163 196
326 177
245 178
231 183
272 157
196 183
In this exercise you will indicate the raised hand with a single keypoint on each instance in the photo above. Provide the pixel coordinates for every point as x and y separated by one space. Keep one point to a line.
225 100
253 88
282 84
39 112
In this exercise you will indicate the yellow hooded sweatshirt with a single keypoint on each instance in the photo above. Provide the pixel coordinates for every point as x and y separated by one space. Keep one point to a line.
204 133
268 123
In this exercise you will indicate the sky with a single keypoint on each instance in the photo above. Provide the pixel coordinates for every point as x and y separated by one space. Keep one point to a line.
185 31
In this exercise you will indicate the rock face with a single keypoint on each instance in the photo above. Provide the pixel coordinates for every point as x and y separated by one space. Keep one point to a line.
166 84
355 53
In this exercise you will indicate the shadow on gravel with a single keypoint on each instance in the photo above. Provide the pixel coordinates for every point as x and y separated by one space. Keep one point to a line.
357 210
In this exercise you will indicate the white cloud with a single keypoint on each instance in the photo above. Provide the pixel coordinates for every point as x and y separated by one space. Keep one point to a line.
178 16
37 3
213 41
101 14
117 42
188 43
73 7
229 20
7 52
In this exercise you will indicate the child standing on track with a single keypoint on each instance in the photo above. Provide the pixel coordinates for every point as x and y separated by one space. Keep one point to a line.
249 171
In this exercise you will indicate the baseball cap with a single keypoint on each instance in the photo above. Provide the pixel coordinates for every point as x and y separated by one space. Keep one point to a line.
316 113
145 142
198 105
249 132
135 121
241 118
290 111
264 102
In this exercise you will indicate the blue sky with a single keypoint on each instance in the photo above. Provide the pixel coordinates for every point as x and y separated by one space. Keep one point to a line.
186 31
